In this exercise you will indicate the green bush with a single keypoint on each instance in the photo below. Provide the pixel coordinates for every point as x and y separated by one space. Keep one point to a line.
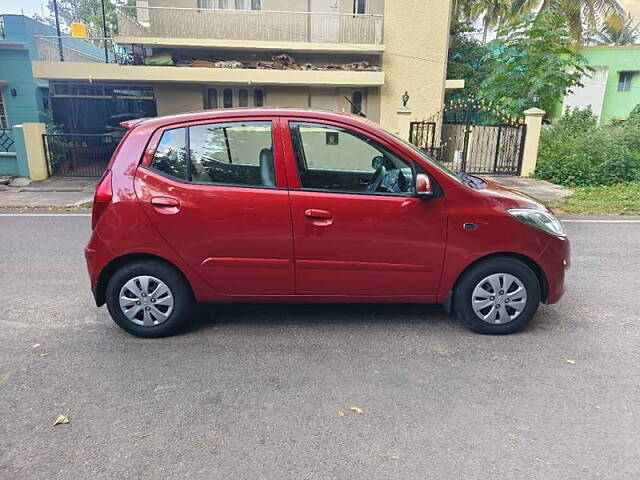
575 151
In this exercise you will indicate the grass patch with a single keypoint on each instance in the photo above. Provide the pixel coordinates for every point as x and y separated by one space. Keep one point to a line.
622 199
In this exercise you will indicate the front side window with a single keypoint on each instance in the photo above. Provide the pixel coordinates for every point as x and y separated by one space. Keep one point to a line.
335 159
239 153
171 154
624 84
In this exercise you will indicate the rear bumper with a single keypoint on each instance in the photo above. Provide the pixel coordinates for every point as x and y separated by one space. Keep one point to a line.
97 257
555 260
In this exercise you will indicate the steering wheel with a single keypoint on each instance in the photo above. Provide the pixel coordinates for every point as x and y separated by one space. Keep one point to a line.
376 179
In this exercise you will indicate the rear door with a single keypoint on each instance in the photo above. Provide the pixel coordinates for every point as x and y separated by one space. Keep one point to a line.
222 203
350 238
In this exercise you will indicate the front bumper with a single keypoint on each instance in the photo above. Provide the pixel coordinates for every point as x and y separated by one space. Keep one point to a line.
555 260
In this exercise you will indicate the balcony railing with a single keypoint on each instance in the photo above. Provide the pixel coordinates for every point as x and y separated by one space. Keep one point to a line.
253 25
6 140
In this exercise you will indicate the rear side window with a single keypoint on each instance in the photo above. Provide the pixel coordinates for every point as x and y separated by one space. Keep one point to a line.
237 153
233 153
171 155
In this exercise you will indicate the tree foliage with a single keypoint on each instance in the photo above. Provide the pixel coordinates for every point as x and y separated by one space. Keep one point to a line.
532 56
627 34
88 12
466 59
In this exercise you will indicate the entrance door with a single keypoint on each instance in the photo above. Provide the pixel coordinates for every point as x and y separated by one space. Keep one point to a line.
226 211
324 22
358 228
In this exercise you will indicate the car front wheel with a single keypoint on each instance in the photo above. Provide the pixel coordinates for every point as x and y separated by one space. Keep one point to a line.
149 299
497 296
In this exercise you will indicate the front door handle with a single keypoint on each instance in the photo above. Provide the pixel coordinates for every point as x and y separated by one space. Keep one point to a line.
317 214
167 205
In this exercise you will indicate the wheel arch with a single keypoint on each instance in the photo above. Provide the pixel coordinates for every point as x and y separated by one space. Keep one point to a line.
540 275
115 264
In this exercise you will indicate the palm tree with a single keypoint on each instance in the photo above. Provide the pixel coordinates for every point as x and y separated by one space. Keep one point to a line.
493 13
580 15
627 35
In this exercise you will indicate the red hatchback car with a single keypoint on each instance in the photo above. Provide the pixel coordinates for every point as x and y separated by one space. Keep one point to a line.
279 205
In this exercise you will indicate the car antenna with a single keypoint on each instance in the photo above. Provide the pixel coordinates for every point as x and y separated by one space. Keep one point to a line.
359 112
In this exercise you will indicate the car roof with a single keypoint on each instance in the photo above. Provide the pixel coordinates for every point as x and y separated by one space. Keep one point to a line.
311 114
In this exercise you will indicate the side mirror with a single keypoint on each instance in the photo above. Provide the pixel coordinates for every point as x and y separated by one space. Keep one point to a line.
424 188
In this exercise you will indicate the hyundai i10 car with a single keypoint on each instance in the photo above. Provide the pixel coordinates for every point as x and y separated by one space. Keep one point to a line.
279 205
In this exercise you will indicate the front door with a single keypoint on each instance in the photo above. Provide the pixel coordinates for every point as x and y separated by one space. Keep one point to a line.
358 228
221 207
324 21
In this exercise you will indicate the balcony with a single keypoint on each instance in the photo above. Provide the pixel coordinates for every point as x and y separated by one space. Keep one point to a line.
235 28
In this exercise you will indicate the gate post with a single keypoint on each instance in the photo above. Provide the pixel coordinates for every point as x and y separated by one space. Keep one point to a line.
533 121
30 147
404 124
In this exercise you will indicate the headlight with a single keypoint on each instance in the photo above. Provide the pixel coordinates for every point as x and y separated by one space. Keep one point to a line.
544 221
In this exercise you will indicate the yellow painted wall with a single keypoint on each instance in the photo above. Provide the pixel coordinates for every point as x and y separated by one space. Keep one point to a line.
287 97
178 98
416 36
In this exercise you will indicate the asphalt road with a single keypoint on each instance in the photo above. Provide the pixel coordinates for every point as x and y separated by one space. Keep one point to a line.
253 392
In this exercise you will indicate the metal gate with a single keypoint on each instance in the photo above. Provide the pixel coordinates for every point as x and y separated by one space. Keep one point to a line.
78 155
472 136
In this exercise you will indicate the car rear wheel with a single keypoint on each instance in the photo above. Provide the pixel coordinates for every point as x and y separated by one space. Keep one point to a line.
497 296
149 299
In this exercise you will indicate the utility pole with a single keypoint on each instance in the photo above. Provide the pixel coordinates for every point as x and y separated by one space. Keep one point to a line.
55 14
104 30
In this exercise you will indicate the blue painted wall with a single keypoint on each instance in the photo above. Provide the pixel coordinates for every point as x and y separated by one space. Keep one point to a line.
17 49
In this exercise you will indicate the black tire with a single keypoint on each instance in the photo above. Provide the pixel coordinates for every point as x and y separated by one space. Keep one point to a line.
463 295
180 290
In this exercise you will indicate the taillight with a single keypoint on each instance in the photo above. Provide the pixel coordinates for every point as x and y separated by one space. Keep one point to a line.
104 194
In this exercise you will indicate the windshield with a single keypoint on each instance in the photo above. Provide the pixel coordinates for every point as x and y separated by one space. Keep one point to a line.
430 160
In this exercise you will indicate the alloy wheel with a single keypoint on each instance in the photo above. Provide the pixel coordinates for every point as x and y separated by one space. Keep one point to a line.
146 301
499 298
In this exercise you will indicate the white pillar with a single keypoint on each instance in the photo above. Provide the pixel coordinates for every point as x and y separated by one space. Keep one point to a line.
404 123
533 121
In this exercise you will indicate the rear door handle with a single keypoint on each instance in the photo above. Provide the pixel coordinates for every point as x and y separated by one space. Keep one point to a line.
318 214
166 204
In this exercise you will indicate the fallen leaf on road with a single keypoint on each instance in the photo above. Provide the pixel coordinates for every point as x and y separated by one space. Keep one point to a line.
341 413
358 410
4 377
44 354
61 419
571 362
36 345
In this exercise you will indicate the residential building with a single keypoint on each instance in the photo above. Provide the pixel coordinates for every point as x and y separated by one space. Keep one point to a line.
189 55
612 89
24 98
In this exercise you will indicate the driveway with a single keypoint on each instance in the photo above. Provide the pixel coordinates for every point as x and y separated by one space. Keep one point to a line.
254 391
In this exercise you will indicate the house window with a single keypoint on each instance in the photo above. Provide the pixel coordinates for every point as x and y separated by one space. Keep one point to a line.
4 123
233 97
256 4
624 84
243 97
223 4
212 98
360 7
227 98
239 4
258 98
357 102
